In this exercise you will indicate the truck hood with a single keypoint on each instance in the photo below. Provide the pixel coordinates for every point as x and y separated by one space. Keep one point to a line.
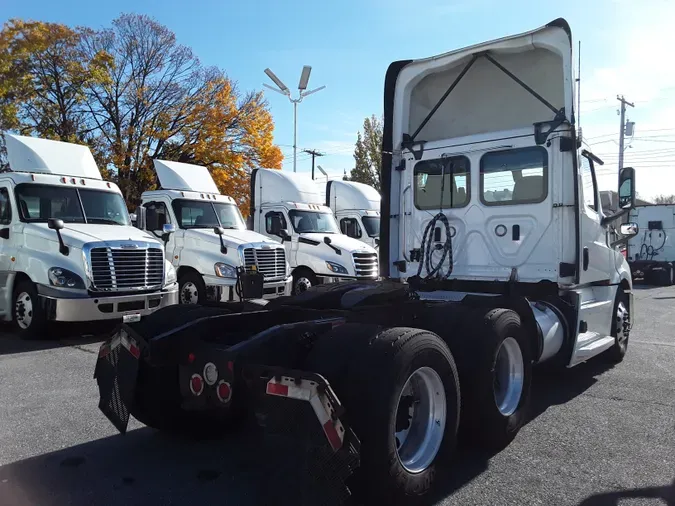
340 241
76 235
231 238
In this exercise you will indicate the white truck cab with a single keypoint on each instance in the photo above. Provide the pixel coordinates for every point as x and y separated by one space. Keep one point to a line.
290 207
211 247
356 207
68 251
489 188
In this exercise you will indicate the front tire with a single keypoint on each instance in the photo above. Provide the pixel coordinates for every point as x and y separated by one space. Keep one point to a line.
401 391
303 280
28 315
620 329
191 288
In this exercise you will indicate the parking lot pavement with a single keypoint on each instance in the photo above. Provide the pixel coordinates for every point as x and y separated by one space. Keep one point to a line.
598 435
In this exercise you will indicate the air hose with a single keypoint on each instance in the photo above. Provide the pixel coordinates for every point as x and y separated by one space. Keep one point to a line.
427 249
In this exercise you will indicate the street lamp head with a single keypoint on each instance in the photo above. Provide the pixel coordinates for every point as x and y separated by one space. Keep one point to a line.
303 94
304 77
322 171
278 82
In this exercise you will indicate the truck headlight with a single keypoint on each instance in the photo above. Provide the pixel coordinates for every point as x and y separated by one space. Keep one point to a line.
64 278
170 276
225 270
336 268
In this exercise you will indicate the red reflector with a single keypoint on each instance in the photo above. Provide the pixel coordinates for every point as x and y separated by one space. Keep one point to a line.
224 391
191 358
103 350
196 384
134 350
277 389
332 435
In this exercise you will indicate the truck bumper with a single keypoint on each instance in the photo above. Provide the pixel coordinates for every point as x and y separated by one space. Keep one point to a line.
84 309
220 291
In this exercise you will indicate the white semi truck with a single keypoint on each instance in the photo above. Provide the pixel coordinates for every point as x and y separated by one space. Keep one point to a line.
211 248
496 257
356 207
291 207
68 251
651 253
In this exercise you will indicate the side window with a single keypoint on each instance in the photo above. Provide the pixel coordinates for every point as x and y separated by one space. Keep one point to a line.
157 215
589 184
350 227
274 219
442 183
514 176
5 207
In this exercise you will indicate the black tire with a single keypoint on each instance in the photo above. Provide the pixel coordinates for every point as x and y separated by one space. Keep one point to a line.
303 279
368 368
191 286
618 351
482 420
37 319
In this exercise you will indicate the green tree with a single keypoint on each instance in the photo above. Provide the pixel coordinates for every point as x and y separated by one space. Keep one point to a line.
368 153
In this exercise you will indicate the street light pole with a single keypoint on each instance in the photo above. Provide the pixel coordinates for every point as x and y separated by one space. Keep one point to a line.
283 90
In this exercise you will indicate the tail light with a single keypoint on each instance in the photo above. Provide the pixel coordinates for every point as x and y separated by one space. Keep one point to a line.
224 391
196 384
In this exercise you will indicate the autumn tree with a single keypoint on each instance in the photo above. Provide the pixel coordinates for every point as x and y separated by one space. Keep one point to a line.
368 153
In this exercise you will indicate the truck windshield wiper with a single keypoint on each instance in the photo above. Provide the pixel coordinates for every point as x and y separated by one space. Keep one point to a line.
106 221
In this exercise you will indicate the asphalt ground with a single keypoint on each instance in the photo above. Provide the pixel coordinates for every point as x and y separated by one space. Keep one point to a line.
598 435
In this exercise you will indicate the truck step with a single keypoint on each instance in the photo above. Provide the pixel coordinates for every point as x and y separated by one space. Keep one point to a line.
589 344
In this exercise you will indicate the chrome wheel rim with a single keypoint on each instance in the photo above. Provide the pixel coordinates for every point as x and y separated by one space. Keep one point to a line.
622 326
302 285
189 294
24 310
509 371
420 420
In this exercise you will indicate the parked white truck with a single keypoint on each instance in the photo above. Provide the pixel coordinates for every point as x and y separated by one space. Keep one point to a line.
651 253
374 380
290 207
68 251
211 248
356 207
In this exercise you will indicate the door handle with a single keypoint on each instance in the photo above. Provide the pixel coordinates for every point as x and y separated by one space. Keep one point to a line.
586 259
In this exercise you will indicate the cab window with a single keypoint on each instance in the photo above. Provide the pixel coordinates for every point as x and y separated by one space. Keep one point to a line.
5 207
514 176
442 183
351 227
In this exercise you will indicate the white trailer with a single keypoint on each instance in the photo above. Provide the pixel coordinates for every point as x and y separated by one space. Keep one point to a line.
211 248
68 251
356 207
651 253
291 207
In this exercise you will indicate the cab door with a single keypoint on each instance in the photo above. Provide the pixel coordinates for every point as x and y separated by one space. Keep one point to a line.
7 249
157 216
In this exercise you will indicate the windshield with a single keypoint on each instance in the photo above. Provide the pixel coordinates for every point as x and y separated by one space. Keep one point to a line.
372 225
38 203
201 214
312 221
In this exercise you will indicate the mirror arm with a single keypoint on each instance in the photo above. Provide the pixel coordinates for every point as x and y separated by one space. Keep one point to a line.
608 219
618 242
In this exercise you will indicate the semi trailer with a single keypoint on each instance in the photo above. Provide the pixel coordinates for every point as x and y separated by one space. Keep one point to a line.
495 258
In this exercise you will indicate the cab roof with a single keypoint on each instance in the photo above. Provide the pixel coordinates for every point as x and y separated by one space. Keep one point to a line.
185 176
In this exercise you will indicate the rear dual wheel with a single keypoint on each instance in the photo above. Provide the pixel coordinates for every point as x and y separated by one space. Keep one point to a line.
400 388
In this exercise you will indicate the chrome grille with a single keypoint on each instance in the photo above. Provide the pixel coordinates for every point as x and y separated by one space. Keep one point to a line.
271 262
365 265
117 269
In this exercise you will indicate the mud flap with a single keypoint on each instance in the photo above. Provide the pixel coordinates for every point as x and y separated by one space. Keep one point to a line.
304 424
116 373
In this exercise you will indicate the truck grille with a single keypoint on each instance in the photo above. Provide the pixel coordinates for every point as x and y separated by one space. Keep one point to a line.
271 262
117 269
366 265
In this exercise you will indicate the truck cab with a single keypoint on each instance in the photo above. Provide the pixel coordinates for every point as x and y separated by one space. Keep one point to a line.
211 247
489 191
290 207
356 207
68 251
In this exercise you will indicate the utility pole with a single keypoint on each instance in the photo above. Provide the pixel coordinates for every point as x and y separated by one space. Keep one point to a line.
622 132
314 154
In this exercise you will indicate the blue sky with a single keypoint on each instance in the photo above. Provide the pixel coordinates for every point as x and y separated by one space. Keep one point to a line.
625 50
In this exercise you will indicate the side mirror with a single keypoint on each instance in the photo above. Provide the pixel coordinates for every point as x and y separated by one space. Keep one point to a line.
627 188
140 220
168 228
55 224
132 217
327 240
285 236
629 229
219 231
